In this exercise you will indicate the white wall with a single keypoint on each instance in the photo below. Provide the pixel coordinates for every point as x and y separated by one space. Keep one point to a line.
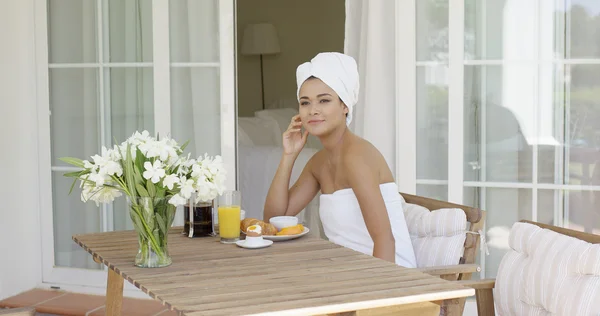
20 248
305 28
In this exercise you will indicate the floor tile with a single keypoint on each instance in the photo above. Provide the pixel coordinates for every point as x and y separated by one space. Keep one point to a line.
136 307
72 304
30 298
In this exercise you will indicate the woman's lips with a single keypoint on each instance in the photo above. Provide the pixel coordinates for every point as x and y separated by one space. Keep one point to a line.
315 121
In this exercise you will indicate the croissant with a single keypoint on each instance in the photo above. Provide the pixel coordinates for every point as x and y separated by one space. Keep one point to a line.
267 228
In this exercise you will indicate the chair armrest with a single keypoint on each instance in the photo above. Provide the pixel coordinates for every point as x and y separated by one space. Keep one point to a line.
451 269
23 311
484 295
478 284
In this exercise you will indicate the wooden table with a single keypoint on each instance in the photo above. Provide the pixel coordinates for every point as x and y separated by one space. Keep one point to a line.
305 276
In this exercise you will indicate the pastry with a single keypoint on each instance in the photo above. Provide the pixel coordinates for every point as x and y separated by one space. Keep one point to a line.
248 222
267 228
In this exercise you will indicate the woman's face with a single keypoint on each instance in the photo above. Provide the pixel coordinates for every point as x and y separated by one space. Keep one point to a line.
321 109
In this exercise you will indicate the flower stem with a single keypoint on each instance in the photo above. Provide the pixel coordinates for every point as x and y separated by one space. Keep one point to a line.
155 244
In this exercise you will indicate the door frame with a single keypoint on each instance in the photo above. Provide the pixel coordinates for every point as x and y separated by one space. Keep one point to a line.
94 281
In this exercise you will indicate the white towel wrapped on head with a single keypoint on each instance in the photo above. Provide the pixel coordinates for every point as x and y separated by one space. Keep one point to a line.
338 71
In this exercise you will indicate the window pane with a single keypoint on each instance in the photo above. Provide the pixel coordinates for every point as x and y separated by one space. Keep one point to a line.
432 30
438 192
583 140
72 31
129 31
575 156
549 202
72 216
503 208
583 29
196 109
131 102
432 122
582 211
131 96
491 30
74 119
194 30
499 122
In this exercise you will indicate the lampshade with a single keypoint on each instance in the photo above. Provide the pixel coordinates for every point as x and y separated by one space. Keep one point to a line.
260 39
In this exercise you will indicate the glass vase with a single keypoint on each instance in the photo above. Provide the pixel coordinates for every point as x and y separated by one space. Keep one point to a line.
152 218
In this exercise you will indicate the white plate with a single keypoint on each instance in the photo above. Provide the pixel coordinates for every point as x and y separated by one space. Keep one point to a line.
263 244
287 237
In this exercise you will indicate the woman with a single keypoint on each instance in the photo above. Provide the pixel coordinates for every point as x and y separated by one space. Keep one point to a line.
360 207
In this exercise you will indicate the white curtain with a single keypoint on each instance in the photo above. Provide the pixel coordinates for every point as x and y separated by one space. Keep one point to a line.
370 39
195 93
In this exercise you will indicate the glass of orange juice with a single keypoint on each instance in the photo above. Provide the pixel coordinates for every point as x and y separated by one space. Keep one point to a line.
229 208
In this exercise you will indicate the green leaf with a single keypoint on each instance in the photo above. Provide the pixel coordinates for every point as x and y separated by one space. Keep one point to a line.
160 241
151 188
160 192
137 223
76 174
171 209
141 191
72 186
139 160
73 161
129 173
185 145
138 176
161 223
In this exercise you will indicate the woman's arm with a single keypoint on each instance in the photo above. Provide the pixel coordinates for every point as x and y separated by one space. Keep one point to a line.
363 178
283 200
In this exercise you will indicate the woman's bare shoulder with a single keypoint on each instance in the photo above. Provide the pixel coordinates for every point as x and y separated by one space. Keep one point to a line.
316 160
363 154
360 148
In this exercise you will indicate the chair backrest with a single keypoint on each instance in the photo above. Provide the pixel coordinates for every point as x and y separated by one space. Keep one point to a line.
474 216
548 270
591 238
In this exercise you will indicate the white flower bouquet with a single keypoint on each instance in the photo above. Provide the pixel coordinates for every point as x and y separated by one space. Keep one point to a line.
156 178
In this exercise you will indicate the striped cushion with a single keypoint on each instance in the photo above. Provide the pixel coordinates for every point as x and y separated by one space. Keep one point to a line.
438 237
547 273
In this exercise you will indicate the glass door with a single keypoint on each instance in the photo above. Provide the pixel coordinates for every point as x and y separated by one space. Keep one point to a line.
115 67
506 111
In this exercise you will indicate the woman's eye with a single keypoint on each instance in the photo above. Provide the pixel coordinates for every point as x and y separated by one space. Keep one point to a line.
325 100
304 103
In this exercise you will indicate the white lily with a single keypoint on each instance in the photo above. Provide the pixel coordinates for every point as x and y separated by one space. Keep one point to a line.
154 172
170 180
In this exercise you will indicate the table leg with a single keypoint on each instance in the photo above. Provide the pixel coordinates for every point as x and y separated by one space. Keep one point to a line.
414 309
451 307
114 293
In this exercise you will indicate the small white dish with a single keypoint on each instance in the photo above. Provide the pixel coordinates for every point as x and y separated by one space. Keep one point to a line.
254 245
281 222
287 237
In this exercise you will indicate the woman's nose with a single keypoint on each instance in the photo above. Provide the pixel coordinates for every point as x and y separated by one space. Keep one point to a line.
314 109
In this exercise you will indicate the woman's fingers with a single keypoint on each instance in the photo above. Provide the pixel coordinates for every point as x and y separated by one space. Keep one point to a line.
293 130
294 124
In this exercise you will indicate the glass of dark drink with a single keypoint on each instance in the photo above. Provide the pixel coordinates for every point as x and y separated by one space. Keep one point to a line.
198 218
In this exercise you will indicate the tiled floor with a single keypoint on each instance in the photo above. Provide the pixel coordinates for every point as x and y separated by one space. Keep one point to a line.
54 302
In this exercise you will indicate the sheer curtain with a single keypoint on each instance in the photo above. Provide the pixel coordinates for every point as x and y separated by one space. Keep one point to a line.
195 85
370 39
92 104
195 114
